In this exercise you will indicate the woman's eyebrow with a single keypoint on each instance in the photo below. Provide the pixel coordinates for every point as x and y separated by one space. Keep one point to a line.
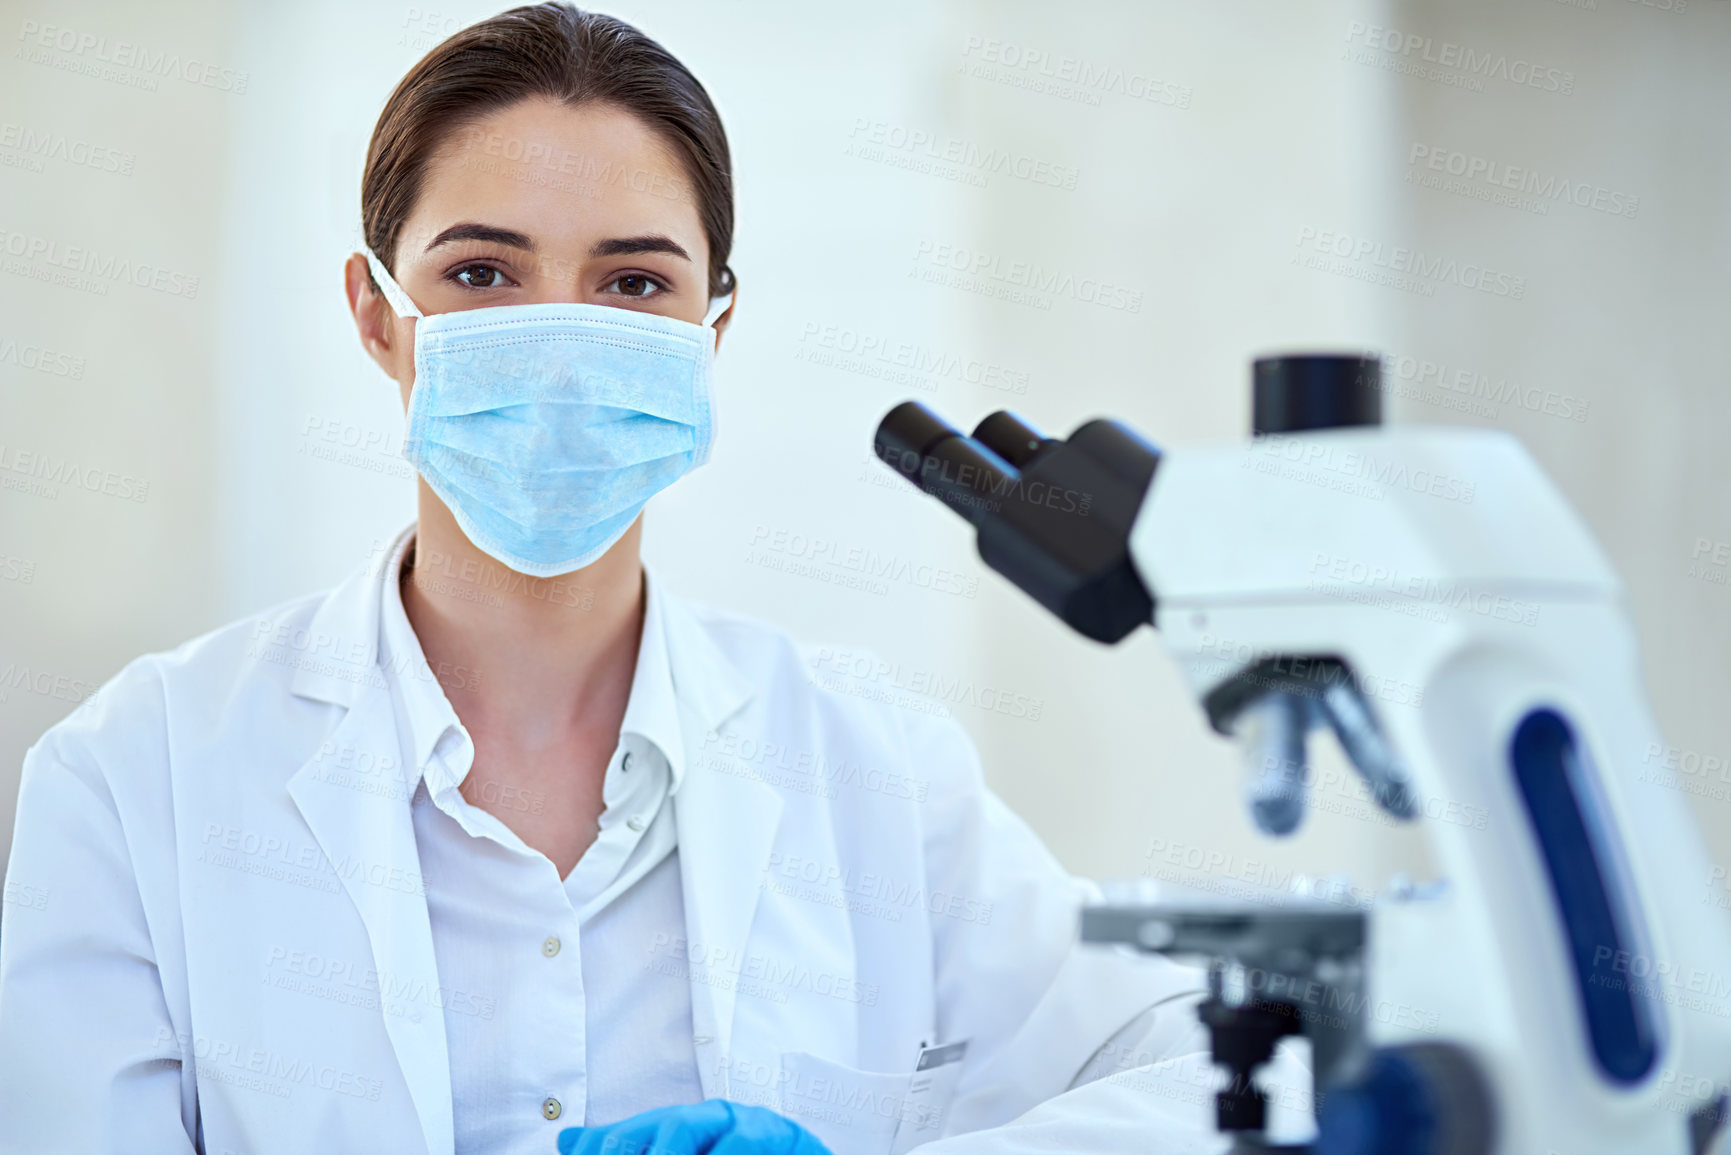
649 243
470 231
612 247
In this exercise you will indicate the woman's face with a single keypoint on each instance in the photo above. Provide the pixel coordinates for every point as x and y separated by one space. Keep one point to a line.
537 203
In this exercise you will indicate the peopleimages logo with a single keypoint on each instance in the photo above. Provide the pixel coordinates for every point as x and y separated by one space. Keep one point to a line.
47 473
40 359
877 354
38 145
1412 593
1064 76
91 49
1539 191
89 269
1402 267
950 157
1462 388
1448 57
1022 282
1378 474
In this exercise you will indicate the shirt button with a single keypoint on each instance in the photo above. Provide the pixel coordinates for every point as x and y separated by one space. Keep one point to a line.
550 947
550 1107
625 764
635 822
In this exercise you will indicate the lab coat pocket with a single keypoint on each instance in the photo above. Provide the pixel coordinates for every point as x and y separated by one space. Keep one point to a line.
853 1112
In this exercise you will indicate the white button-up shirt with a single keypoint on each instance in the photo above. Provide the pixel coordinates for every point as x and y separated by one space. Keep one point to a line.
555 1015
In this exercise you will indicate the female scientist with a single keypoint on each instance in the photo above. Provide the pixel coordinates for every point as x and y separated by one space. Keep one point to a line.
500 846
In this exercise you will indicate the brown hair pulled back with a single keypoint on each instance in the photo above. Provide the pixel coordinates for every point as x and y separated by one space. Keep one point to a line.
558 51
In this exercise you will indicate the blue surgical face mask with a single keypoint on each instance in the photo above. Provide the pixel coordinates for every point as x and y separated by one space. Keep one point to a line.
546 428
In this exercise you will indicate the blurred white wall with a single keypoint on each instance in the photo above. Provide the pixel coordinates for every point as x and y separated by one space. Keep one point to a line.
111 190
1186 179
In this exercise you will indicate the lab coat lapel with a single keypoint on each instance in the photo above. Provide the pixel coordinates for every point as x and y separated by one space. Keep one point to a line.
340 646
726 829
370 842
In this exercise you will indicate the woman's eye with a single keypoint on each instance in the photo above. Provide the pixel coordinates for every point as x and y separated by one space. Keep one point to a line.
636 285
480 277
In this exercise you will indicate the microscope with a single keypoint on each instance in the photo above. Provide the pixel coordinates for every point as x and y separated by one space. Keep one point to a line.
1427 596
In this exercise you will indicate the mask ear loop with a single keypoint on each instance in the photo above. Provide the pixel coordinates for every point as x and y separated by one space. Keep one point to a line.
388 286
717 306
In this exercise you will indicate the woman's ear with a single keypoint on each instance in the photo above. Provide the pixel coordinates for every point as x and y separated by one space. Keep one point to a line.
375 320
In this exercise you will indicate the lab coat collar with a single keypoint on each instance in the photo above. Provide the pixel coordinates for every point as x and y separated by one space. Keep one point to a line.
652 710
428 713
340 650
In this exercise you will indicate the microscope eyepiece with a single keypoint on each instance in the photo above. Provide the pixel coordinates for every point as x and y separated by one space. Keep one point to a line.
906 433
1010 437
1053 516
959 471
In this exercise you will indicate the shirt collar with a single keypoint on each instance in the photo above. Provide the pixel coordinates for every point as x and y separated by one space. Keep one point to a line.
426 711
651 710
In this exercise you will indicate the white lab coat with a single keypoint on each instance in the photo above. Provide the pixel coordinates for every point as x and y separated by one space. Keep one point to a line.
208 813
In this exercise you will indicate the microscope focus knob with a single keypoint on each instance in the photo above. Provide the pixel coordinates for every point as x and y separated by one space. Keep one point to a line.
1303 391
1424 1099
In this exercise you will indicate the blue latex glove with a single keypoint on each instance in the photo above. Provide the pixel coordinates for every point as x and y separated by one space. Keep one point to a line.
712 1127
